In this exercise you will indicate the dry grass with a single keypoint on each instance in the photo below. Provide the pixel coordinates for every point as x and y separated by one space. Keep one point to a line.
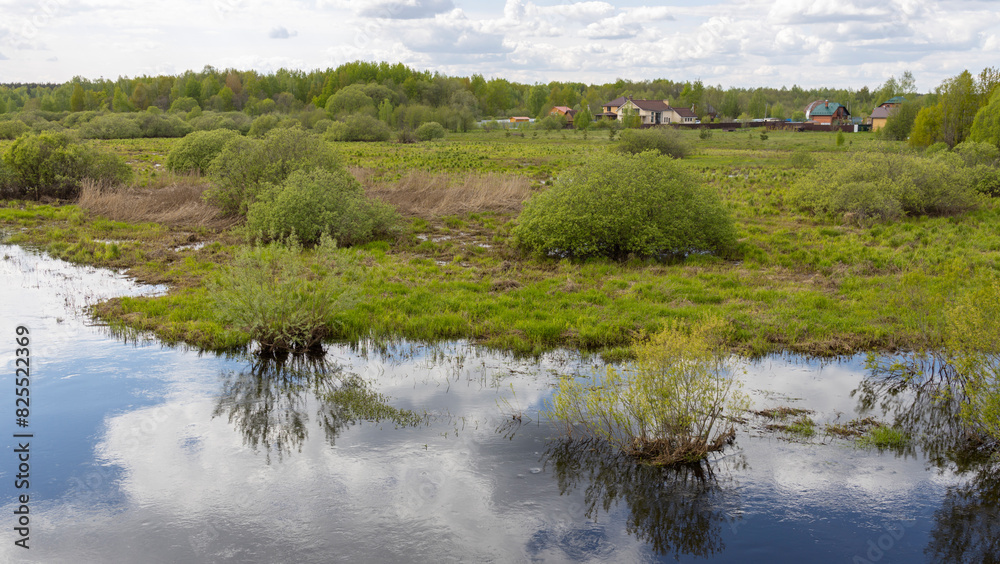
175 200
432 195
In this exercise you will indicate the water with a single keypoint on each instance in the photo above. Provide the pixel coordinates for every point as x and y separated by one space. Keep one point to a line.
145 453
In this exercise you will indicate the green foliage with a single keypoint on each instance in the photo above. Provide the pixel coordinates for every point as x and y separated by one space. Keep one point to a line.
310 204
802 159
900 122
245 165
197 150
667 407
358 127
584 118
973 342
840 139
13 128
184 105
875 186
975 154
237 121
350 100
798 115
262 124
618 205
986 126
54 165
429 131
664 140
704 133
134 125
551 122
939 147
275 296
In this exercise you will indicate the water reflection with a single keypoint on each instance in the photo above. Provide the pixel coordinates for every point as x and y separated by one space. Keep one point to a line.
269 402
676 511
918 398
967 526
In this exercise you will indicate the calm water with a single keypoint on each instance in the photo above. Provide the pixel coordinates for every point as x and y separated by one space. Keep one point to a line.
144 453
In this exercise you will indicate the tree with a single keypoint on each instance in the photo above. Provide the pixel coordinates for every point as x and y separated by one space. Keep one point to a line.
120 102
778 111
900 122
986 126
536 98
731 104
77 102
958 106
583 118
350 100
757 108
926 127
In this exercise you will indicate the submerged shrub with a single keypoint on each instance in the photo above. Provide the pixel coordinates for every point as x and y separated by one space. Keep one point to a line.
885 185
664 140
245 165
54 165
666 407
309 204
197 150
617 205
282 301
430 130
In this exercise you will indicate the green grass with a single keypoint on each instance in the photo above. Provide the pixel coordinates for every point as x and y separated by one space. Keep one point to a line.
804 284
883 437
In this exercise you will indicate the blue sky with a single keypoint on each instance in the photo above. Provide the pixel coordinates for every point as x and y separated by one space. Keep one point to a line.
847 44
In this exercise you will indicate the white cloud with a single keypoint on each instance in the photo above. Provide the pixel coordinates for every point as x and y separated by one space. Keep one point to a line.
281 32
403 9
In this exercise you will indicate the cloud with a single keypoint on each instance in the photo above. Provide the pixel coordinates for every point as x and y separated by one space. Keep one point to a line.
3 57
405 9
281 32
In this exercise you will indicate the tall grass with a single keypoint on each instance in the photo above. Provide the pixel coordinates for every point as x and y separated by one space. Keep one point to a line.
427 194
175 200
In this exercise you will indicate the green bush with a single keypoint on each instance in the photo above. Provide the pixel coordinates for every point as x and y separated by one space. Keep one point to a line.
551 122
668 407
13 128
207 121
309 204
802 159
664 140
184 105
245 165
430 130
617 205
358 127
111 126
263 124
54 165
883 185
197 150
280 300
974 153
939 147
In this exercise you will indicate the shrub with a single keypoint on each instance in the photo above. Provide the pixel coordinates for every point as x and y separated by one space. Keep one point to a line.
664 140
358 127
667 407
309 204
975 154
936 148
551 122
263 124
237 121
274 296
196 151
111 126
184 104
885 185
13 128
622 204
802 159
322 125
54 165
430 130
840 138
245 165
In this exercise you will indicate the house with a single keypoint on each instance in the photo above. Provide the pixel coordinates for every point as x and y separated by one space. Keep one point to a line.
610 110
656 112
520 119
881 114
825 111
564 111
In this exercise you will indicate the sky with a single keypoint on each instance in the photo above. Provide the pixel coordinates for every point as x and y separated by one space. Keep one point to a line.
743 43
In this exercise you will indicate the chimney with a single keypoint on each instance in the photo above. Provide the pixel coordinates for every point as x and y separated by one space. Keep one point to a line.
828 104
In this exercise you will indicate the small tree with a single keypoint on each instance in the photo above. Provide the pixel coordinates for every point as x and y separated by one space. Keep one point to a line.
664 140
986 126
429 131
584 118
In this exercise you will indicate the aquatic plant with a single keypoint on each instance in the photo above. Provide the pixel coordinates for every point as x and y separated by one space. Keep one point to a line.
883 436
666 407
974 345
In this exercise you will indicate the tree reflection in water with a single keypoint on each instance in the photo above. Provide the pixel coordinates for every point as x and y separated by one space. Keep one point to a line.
967 526
268 402
677 510
922 395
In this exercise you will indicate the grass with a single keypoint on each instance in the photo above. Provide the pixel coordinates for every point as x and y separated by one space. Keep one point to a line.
804 284
884 437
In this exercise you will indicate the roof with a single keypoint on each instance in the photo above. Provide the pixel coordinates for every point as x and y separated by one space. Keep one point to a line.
617 102
882 112
685 112
566 110
824 108
894 100
651 105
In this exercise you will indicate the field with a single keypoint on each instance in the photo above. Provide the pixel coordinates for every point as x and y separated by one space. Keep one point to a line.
806 284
